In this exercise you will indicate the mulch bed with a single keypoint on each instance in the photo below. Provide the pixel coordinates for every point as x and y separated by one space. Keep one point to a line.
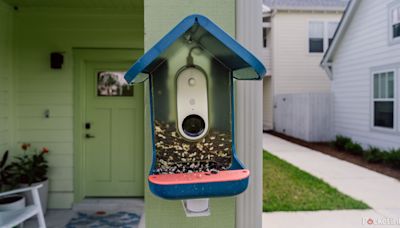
326 148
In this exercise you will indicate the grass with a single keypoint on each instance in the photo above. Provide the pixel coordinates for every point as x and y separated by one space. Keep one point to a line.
287 188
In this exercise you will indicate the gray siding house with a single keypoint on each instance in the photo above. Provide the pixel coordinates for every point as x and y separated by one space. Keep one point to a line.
363 64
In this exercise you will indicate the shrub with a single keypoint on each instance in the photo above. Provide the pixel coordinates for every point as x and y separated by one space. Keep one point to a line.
341 141
353 148
375 155
393 158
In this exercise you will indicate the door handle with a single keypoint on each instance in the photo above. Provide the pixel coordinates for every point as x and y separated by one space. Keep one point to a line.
89 136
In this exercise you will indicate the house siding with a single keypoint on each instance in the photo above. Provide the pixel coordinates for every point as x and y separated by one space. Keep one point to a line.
364 46
38 32
5 75
295 70
268 108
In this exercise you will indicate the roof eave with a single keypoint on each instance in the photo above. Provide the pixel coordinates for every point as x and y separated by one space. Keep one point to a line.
308 9
348 14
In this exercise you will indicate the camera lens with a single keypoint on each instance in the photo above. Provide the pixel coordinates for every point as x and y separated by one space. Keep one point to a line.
193 125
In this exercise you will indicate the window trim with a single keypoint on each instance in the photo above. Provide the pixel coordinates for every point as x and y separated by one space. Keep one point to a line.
391 7
373 99
325 37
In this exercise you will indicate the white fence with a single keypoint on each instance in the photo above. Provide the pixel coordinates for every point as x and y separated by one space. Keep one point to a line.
304 116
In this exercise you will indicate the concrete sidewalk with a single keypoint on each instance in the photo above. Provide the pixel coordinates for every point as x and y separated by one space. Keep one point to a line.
380 192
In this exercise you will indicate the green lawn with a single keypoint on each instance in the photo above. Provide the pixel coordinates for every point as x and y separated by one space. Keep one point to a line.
287 188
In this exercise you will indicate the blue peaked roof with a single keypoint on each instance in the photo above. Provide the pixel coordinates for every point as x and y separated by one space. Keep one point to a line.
244 65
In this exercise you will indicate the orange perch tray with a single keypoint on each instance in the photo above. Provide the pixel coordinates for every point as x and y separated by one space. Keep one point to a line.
200 177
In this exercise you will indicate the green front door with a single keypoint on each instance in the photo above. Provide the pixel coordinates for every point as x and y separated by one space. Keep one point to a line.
112 130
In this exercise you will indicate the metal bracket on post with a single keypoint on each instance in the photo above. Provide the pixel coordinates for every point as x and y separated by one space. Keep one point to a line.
196 207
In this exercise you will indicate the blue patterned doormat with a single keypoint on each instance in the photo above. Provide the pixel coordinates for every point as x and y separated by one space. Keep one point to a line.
120 219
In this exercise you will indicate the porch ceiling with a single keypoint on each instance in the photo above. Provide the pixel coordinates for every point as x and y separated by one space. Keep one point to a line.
133 4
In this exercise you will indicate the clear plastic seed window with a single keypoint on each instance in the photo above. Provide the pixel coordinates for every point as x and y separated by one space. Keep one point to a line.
191 110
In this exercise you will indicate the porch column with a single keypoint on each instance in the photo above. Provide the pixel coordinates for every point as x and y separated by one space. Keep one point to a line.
249 103
160 17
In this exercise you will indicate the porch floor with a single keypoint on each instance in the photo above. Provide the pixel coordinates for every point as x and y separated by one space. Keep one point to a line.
56 218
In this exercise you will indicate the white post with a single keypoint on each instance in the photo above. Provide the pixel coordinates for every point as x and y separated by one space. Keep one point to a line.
249 110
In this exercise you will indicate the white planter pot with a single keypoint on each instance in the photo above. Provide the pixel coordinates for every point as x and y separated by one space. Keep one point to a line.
18 204
43 194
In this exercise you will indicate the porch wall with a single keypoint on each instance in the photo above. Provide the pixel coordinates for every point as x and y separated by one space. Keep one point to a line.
5 75
38 32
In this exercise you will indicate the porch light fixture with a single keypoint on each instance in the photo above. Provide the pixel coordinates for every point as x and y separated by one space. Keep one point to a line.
56 60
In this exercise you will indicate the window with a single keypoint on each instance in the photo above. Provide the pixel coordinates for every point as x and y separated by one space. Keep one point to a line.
332 26
267 19
321 35
113 84
396 23
265 34
384 99
316 37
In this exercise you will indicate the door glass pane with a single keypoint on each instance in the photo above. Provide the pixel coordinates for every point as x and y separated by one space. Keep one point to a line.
382 86
376 85
390 85
113 84
383 114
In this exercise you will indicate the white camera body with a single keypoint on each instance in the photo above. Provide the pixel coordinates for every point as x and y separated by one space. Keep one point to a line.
192 103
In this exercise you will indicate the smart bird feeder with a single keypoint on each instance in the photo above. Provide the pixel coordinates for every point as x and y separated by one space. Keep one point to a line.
191 72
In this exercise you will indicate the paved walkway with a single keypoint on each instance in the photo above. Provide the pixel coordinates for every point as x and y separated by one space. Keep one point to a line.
380 192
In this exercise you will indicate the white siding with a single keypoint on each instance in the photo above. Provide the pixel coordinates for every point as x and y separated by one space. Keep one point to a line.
5 75
267 106
294 69
365 45
266 54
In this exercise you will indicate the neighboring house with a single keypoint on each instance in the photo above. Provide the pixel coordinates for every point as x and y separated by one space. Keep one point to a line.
295 36
363 64
95 128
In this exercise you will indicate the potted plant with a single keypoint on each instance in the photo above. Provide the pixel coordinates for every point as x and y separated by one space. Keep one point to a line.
31 168
7 182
